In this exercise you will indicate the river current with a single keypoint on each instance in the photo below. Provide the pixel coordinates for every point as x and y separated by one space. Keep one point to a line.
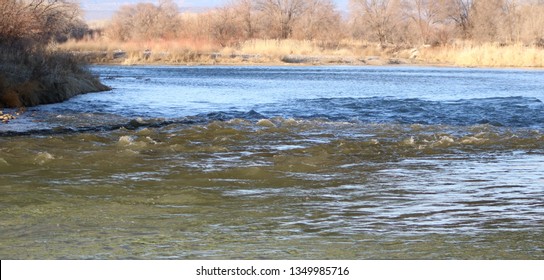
280 163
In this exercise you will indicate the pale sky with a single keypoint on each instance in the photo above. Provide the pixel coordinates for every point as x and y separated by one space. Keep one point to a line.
100 9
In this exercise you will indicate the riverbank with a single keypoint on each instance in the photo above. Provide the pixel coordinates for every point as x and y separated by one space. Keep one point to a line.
32 71
299 52
29 78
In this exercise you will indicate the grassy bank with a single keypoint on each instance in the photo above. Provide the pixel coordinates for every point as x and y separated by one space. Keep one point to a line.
258 51
303 52
33 77
484 55
30 72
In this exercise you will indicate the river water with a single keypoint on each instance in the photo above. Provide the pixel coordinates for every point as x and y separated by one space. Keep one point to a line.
280 163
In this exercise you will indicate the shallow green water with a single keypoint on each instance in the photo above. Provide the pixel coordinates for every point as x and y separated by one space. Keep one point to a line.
296 190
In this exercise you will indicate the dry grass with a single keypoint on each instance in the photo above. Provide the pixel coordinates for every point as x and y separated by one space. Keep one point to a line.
192 51
179 51
488 55
278 48
262 51
281 48
41 77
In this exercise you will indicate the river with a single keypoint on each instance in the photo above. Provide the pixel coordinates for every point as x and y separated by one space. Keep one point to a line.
280 163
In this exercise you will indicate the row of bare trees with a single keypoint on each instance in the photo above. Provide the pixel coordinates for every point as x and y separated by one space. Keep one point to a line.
237 20
37 22
440 21
145 21
408 22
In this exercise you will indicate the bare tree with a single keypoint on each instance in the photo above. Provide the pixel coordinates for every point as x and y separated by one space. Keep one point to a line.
320 21
225 28
486 19
145 21
510 26
427 15
381 17
121 23
36 20
282 14
169 21
532 30
246 13
460 12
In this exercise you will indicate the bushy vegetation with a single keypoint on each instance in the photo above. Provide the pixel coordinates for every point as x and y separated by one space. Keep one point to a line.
388 22
30 72
459 32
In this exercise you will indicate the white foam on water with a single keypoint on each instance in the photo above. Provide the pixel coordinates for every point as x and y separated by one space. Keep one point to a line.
126 140
43 158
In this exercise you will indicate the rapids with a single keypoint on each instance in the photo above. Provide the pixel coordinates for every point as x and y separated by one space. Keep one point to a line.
280 163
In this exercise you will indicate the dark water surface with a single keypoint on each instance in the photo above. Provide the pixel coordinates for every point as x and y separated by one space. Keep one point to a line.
280 162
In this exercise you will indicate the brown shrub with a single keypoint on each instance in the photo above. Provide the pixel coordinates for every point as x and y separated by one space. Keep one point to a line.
29 74
33 78
10 99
